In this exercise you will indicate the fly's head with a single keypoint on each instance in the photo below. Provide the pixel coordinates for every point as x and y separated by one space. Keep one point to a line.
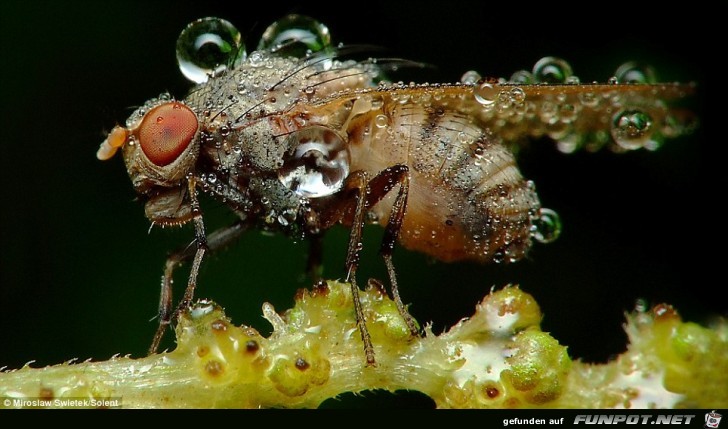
160 143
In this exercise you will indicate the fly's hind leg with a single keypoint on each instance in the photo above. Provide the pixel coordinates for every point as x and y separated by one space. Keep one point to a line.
383 184
358 182
368 193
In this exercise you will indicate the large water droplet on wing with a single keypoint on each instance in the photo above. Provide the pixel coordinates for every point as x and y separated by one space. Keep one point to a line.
485 93
208 46
521 76
551 70
317 163
470 77
295 36
517 95
634 72
631 129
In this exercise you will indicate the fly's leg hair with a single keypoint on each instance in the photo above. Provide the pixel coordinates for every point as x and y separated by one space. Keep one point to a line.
218 239
367 194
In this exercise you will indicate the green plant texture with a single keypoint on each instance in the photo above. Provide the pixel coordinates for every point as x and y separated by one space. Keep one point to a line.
499 357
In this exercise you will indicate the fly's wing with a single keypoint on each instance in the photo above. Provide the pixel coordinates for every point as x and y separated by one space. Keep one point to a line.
619 116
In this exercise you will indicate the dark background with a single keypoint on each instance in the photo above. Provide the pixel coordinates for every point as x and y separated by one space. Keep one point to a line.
79 273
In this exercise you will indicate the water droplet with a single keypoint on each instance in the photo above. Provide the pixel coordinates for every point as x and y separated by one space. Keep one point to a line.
317 163
546 227
462 137
631 129
634 72
380 121
548 111
295 36
613 80
201 309
568 112
257 59
485 94
641 305
517 95
470 77
588 99
568 143
522 76
572 80
504 97
551 70
653 144
208 46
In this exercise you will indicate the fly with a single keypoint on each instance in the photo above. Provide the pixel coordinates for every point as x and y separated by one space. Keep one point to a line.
295 139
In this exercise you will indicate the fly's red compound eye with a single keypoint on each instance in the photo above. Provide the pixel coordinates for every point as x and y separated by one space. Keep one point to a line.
166 131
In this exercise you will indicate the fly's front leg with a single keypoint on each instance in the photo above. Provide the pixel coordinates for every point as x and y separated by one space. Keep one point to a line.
165 297
217 240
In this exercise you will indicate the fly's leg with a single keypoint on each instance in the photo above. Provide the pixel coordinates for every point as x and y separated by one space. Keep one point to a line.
368 193
165 301
357 181
379 187
217 240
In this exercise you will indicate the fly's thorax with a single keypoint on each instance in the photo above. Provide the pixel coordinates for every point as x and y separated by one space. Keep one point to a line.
240 168
237 167
290 168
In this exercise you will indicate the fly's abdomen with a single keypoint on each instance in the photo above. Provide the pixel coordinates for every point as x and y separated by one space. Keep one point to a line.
467 198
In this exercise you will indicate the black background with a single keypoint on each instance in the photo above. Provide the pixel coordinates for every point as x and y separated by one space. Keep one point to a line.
79 273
